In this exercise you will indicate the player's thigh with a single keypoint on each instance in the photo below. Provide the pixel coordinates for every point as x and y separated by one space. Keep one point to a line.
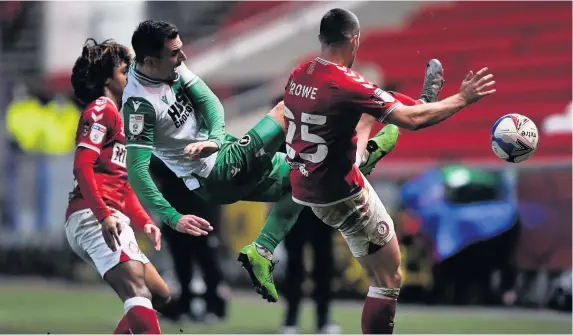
128 280
275 184
239 167
367 228
123 268
75 229
157 286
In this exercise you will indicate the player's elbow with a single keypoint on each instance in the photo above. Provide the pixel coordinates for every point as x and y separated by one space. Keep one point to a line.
409 122
417 124
77 170
80 168
132 179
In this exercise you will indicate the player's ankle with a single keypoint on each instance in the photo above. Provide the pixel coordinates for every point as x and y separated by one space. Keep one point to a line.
264 251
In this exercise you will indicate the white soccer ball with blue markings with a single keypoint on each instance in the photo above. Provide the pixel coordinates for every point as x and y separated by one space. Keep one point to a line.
514 138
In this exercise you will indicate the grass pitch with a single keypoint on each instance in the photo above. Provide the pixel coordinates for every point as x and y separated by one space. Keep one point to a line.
39 308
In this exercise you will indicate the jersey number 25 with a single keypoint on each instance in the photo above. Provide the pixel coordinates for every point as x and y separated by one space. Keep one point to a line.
305 135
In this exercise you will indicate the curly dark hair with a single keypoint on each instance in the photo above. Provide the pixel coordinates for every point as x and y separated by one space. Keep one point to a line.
95 66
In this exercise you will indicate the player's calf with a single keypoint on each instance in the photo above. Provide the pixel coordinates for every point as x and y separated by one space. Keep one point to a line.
369 233
128 280
382 267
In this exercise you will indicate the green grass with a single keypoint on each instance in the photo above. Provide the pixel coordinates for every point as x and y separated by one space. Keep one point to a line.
26 308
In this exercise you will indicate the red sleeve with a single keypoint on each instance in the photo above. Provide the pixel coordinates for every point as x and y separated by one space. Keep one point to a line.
134 210
84 162
362 96
97 121
406 100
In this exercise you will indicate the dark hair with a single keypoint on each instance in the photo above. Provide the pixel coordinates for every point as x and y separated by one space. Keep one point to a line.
338 26
95 66
149 38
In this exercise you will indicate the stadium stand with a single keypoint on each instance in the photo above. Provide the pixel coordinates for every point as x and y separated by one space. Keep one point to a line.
243 10
466 36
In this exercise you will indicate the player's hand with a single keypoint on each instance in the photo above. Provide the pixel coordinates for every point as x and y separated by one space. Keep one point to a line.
475 87
193 225
201 149
111 228
154 234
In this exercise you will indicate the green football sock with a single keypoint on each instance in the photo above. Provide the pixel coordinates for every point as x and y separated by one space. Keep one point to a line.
281 219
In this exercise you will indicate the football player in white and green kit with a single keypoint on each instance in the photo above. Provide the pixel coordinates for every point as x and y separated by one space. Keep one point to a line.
170 112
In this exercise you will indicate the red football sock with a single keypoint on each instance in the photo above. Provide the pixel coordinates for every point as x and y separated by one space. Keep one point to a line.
122 326
379 310
141 316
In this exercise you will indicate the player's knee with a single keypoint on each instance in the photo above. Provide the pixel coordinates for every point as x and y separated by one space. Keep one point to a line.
134 287
383 277
381 271
141 290
397 279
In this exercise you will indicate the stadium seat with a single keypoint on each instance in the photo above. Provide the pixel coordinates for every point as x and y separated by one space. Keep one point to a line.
244 10
527 47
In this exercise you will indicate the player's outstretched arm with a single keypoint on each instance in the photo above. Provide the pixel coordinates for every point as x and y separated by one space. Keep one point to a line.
206 103
473 88
138 160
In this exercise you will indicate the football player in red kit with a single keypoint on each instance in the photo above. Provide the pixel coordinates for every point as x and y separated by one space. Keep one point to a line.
102 206
323 103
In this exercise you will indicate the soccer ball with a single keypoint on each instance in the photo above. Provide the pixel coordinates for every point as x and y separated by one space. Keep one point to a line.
514 138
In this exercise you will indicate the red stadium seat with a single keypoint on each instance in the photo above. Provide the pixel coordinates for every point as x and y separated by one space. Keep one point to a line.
244 10
526 46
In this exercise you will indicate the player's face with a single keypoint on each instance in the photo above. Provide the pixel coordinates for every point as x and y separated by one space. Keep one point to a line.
117 83
171 58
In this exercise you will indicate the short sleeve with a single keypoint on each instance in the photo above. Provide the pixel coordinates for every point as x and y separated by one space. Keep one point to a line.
361 96
97 125
139 122
187 77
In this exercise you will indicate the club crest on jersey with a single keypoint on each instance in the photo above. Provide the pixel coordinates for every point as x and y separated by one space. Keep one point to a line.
97 133
136 124
245 140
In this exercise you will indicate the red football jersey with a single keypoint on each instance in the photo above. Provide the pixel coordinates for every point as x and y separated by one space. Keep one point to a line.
324 103
101 129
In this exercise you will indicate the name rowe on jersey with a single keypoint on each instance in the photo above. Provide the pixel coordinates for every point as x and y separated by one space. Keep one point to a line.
324 102
163 118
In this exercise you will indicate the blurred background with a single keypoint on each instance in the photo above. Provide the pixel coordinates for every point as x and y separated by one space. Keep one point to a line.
486 244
